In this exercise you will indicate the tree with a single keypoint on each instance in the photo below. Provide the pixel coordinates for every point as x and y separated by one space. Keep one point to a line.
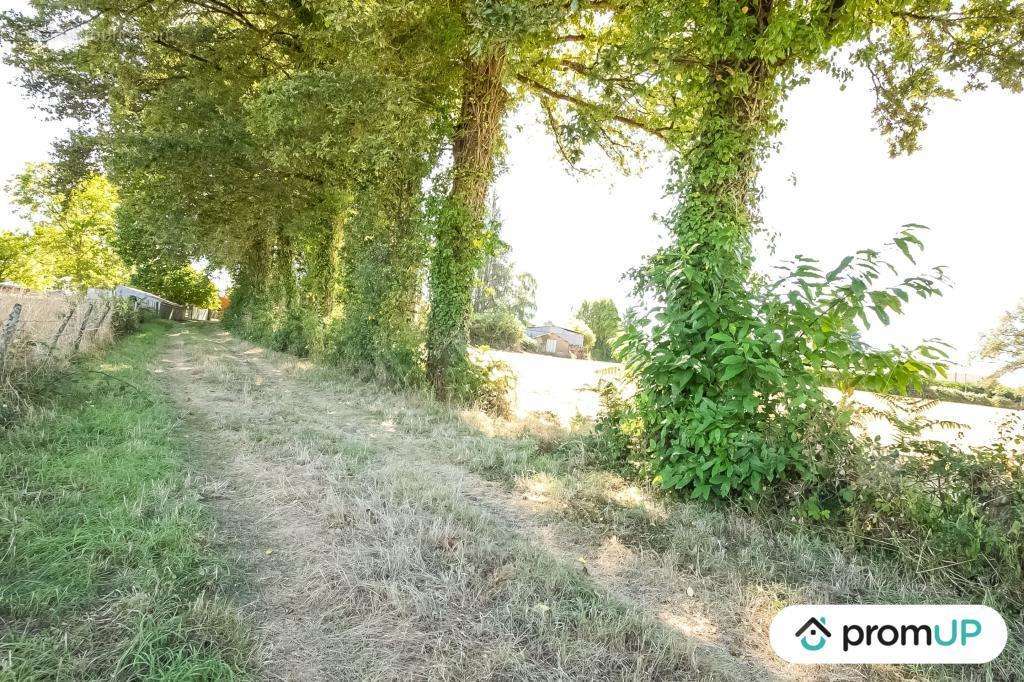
715 75
292 144
602 316
183 284
71 235
498 329
584 330
23 263
1005 343
500 287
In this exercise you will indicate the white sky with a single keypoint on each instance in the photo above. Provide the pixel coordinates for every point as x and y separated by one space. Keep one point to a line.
578 235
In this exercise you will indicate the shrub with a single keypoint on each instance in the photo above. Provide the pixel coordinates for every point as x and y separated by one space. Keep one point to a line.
952 512
125 317
488 385
729 375
973 394
498 329
291 335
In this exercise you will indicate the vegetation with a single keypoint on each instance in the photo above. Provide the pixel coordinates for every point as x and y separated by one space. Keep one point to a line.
1005 343
70 242
125 317
498 329
445 556
500 288
975 394
183 285
305 148
109 572
602 317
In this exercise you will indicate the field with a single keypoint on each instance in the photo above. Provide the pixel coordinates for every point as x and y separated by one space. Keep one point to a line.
563 387
290 522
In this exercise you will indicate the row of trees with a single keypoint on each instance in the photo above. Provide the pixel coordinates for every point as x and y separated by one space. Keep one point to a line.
71 241
335 155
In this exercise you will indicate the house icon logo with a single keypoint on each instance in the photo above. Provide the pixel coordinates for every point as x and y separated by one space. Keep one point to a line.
813 634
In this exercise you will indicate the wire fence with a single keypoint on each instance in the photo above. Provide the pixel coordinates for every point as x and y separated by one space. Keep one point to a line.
39 333
54 323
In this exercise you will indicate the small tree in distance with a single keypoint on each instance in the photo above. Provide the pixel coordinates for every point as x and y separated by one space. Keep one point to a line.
1005 343
602 316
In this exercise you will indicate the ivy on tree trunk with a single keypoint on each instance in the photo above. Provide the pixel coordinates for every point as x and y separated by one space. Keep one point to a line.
459 232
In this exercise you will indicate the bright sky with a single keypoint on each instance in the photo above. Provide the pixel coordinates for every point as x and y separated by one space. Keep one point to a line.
578 235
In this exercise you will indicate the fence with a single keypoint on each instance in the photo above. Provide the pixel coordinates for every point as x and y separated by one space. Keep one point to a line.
38 334
53 323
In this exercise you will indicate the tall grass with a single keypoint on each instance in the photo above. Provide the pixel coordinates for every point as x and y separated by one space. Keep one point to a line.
106 568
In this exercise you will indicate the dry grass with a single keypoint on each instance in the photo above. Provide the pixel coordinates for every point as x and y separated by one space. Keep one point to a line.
387 538
42 315
36 352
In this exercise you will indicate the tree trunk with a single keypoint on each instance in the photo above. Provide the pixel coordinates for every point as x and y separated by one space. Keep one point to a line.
320 285
459 236
717 178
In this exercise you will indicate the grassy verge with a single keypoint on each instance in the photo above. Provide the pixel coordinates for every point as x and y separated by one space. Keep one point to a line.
764 558
106 570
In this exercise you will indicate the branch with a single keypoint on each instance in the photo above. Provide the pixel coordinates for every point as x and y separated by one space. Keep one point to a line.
186 53
587 104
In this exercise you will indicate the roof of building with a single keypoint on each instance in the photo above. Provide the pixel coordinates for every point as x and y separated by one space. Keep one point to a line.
122 290
574 338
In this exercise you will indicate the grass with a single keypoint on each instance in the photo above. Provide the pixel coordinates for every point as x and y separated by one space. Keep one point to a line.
750 562
376 559
106 567
547 562
380 536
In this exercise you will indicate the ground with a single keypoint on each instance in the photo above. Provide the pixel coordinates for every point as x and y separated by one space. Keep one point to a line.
379 536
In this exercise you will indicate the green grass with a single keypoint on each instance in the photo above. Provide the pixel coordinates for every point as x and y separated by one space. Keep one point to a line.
106 568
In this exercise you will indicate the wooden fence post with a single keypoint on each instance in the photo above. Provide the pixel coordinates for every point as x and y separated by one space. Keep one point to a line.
103 317
60 329
7 333
81 327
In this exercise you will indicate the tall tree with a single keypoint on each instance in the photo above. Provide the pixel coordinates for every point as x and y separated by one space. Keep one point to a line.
71 235
707 357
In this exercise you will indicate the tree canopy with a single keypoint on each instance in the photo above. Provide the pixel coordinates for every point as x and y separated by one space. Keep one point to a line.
71 235
602 317
338 159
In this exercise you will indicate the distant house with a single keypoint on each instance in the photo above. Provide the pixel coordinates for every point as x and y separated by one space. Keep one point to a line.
554 340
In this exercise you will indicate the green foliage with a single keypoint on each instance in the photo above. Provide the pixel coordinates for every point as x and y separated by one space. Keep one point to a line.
728 376
602 317
954 512
992 395
109 572
489 385
729 387
500 287
583 328
498 329
125 317
23 262
71 235
183 284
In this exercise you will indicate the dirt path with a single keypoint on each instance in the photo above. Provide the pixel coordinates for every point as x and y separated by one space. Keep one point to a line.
369 553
